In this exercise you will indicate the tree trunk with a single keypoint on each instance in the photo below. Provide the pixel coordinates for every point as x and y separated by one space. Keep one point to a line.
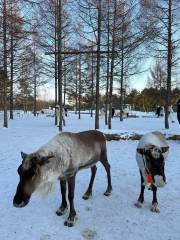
160 90
92 85
169 65
98 65
59 31
122 79
55 63
76 104
12 65
112 68
35 81
5 64
12 77
108 57
79 93
64 102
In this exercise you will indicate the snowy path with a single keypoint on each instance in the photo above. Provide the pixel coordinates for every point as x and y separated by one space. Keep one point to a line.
100 218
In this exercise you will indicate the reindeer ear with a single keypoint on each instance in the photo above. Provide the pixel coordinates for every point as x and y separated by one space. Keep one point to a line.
164 149
23 155
44 160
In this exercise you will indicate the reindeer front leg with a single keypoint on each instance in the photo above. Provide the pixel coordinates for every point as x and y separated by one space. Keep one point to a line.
63 208
141 195
154 207
72 215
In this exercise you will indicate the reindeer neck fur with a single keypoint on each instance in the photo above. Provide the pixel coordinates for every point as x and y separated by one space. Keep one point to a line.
59 147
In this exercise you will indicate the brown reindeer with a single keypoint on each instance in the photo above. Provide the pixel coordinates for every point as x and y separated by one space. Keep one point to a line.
62 158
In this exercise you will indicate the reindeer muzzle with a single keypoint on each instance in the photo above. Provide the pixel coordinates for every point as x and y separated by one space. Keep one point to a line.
20 204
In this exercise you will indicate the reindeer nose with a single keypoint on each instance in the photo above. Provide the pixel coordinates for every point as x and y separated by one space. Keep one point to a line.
19 202
20 205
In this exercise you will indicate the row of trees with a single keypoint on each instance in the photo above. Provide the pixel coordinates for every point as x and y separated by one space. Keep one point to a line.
92 47
146 100
20 61
149 98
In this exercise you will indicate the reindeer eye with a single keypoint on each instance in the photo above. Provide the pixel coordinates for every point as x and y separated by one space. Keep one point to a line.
32 171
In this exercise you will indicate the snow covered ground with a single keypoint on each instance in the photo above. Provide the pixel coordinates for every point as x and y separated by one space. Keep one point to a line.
101 218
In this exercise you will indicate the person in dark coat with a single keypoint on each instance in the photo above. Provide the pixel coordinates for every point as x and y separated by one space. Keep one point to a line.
178 111
66 111
113 112
158 110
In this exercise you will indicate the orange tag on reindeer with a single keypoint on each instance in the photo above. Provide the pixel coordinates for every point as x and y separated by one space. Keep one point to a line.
149 178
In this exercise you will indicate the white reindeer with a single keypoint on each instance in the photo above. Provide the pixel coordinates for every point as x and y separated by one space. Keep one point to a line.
152 151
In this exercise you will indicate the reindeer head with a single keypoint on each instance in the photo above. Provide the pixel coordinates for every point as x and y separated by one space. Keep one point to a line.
155 163
30 175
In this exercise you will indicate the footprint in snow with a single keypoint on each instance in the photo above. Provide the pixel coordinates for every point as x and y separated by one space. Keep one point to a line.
89 234
45 237
88 209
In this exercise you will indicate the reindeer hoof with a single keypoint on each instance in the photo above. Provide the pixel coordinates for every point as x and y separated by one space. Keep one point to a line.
87 196
154 208
107 193
61 211
70 221
138 204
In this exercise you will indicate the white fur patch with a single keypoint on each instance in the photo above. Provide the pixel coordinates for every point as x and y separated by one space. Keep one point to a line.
159 182
45 188
138 204
61 211
155 208
48 180
19 205
69 222
155 152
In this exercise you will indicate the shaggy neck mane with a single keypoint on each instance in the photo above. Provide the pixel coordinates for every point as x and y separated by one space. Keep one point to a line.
49 174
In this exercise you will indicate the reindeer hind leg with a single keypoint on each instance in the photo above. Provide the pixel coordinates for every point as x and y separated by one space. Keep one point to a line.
107 167
88 193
